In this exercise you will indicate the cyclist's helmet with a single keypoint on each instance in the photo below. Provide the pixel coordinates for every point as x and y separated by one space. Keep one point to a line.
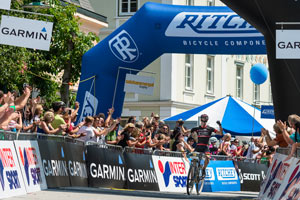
204 117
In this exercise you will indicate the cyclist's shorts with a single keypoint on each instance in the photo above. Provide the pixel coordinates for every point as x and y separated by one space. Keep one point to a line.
202 149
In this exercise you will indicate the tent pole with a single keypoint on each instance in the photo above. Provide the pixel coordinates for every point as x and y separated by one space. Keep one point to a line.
253 117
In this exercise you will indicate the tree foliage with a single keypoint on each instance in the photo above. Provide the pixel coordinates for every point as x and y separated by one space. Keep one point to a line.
68 45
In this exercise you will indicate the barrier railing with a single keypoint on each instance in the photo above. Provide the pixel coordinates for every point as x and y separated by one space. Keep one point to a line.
138 150
104 146
284 151
167 153
8 135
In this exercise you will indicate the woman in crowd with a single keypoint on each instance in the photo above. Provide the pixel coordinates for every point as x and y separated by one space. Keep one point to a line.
224 148
46 127
126 139
213 148
180 144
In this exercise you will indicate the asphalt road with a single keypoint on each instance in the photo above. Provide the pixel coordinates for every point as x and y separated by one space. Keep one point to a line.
115 194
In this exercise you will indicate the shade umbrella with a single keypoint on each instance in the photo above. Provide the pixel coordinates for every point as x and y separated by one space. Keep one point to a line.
236 116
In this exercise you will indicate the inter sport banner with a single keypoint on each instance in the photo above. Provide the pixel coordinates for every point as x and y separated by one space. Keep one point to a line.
171 173
75 157
141 174
139 84
21 32
282 180
11 180
31 165
5 4
106 167
221 176
251 175
54 163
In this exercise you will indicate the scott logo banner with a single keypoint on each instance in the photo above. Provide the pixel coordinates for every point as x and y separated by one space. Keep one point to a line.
11 180
21 32
31 165
171 173
5 4
90 105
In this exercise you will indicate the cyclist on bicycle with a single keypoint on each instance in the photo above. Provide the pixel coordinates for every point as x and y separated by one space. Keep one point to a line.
203 134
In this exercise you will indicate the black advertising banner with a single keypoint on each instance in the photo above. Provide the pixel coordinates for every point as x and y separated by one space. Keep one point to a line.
75 157
54 163
251 175
140 172
106 167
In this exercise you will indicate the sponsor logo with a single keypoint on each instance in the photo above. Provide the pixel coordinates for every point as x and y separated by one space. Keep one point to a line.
176 170
193 24
288 45
29 158
7 161
268 112
42 35
141 175
55 167
107 172
210 175
226 173
123 47
77 169
292 188
90 105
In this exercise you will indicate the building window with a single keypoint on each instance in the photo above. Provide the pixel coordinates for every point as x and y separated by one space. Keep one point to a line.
256 94
270 93
239 82
210 75
210 2
190 2
188 72
128 7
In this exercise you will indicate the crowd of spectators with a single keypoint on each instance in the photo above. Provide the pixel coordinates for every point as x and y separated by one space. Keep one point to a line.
24 114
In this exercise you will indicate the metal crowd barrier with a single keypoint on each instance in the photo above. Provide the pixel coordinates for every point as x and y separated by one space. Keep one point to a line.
104 146
167 153
138 150
285 151
8 135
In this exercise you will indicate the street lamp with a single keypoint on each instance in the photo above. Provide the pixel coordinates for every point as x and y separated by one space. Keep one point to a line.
37 4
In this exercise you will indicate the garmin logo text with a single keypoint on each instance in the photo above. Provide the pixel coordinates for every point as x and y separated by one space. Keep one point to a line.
77 169
226 173
55 168
25 34
141 176
123 47
107 172
193 24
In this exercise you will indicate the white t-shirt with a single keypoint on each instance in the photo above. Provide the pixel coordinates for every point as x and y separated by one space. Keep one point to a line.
250 153
90 134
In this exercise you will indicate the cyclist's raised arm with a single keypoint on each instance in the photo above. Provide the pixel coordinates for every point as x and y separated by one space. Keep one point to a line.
219 132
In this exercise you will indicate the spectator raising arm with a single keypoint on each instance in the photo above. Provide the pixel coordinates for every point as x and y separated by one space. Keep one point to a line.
286 136
21 101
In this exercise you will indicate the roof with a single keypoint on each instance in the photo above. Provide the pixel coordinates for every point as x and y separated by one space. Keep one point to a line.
86 9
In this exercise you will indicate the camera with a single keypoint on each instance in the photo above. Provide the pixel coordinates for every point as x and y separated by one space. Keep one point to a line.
218 122
70 112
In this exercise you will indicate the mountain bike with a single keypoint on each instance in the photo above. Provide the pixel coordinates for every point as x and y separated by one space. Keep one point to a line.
195 176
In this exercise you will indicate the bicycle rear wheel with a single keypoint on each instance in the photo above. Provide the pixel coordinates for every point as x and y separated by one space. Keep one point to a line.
191 179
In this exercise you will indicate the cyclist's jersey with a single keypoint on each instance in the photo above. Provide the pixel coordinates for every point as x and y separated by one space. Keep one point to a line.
203 134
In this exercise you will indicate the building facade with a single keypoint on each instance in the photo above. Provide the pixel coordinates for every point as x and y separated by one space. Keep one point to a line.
185 81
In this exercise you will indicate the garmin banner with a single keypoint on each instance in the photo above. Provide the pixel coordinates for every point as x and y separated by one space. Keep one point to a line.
251 175
106 167
54 163
31 165
171 173
287 44
11 179
140 172
221 176
22 32
162 29
5 4
75 157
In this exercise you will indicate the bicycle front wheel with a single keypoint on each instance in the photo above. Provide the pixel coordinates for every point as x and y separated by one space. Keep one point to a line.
191 179
200 182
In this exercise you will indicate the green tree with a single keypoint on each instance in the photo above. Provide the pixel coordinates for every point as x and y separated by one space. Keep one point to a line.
37 67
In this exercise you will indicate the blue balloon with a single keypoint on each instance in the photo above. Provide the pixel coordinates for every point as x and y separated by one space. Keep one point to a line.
258 73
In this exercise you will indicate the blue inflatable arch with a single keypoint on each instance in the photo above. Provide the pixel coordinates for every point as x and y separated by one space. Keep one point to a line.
154 30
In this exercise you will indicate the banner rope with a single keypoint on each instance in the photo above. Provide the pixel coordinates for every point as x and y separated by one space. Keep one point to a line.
48 79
